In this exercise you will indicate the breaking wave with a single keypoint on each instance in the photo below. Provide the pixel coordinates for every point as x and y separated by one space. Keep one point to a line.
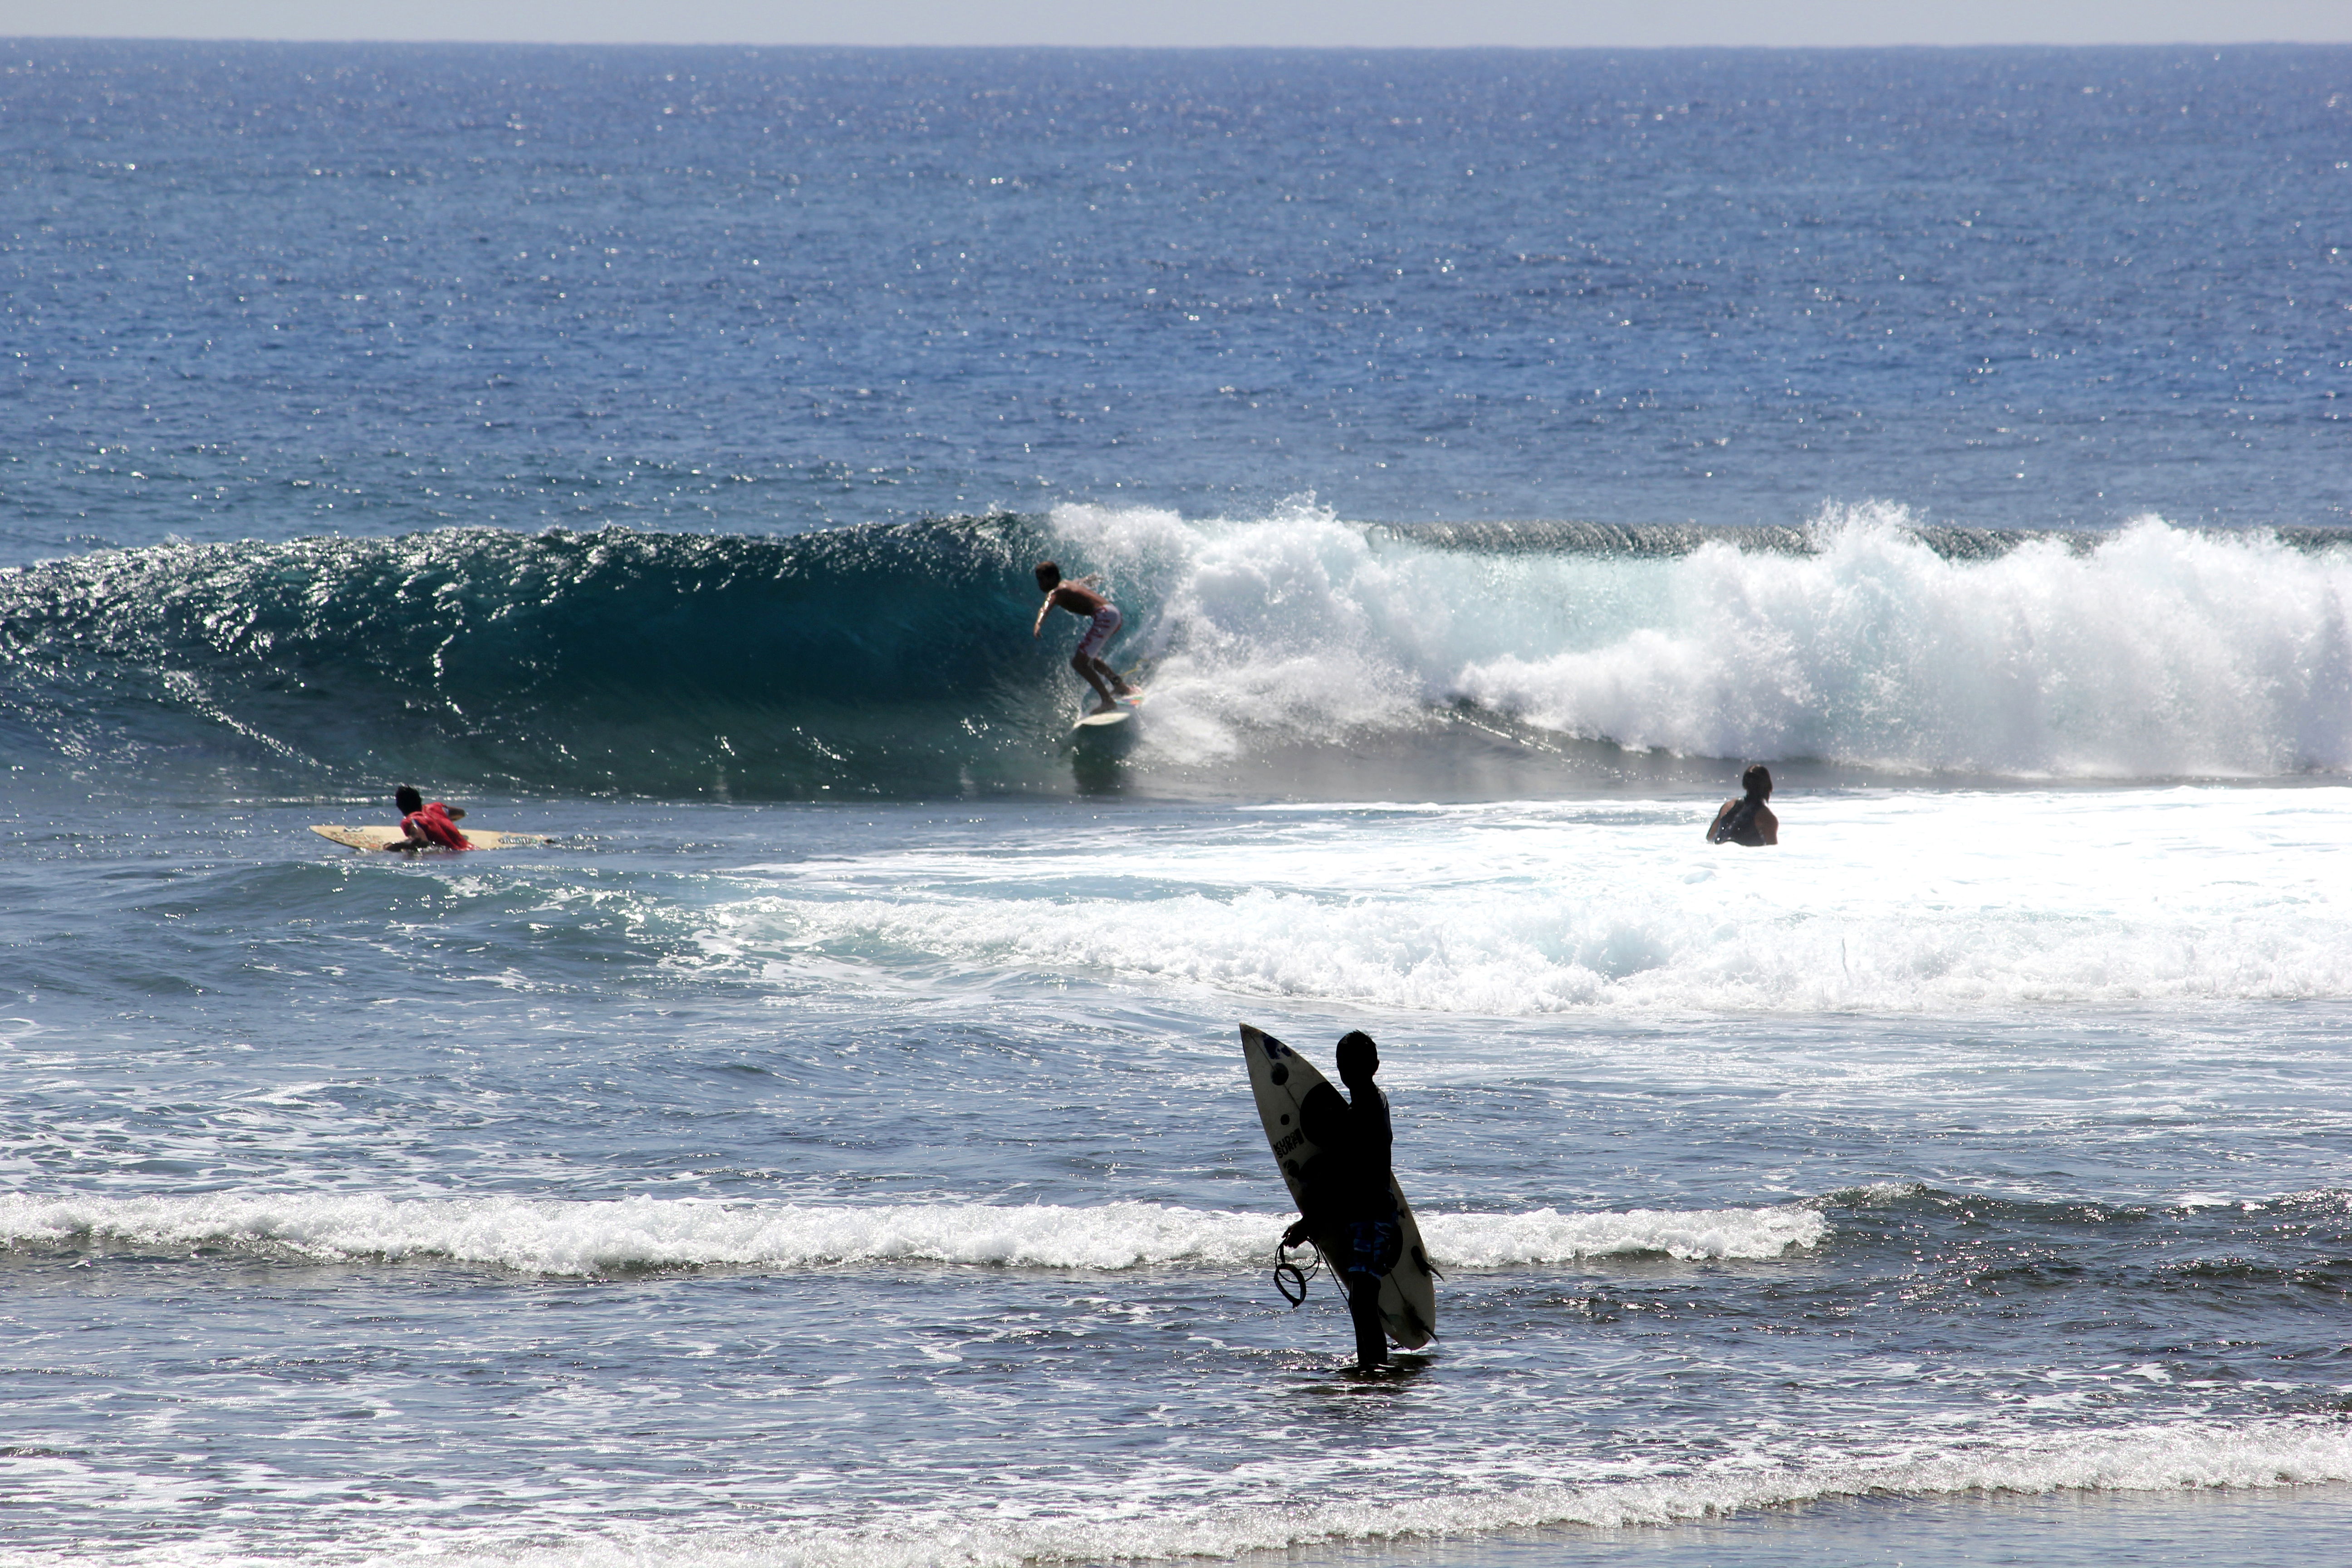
581 1237
892 659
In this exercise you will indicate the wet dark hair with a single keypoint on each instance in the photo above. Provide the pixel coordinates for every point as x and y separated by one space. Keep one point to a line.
407 798
1757 781
1357 1052
1049 576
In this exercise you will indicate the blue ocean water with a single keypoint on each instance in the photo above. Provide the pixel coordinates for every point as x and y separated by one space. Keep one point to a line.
261 292
832 1145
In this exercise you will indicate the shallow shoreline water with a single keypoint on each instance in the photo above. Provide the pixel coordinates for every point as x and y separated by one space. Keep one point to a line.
885 1179
2064 1531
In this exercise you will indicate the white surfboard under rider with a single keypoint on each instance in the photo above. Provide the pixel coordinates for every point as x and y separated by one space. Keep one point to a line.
1110 721
1281 1080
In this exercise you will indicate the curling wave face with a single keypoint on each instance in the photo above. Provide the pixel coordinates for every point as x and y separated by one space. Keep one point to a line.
892 660
882 658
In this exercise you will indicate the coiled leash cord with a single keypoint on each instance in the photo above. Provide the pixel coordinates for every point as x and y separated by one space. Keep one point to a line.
1287 1274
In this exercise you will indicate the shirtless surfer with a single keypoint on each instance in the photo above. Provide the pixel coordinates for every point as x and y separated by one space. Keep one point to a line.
423 827
1081 599
1748 820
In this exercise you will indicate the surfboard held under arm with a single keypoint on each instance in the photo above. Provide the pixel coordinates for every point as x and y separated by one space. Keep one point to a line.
380 838
1281 1080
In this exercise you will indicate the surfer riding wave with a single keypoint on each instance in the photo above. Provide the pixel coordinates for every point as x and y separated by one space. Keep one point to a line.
1081 599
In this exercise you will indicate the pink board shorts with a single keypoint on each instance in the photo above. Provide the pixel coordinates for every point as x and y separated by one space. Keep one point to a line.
1099 631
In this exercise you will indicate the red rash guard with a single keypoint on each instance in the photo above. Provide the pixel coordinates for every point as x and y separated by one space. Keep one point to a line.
434 824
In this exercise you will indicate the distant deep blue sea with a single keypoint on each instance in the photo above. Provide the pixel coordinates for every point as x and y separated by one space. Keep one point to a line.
832 1145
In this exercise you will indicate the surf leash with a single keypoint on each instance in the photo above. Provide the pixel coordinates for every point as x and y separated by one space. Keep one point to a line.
1287 1275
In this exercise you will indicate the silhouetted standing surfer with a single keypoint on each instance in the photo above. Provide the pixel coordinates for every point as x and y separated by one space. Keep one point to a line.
1346 1198
1748 820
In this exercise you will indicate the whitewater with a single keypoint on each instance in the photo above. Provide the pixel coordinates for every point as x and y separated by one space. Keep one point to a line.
831 1145
2151 652
1895 902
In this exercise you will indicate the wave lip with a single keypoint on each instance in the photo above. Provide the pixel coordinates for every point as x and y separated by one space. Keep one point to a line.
559 1236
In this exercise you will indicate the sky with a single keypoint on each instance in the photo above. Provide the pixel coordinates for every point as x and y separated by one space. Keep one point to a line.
1357 23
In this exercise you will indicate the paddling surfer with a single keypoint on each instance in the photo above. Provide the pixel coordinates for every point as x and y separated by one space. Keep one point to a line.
423 827
1748 820
1347 1197
1081 598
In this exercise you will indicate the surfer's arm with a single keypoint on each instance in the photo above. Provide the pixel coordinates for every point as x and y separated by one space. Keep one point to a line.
1043 611
1768 827
1311 1223
1716 827
1314 1204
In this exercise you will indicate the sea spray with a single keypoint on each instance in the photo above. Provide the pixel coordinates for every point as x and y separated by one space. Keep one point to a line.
2156 653
2152 652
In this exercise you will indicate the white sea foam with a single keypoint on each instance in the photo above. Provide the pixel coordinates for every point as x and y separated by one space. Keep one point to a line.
2161 653
1268 1510
2257 1454
2155 1458
1884 902
582 1238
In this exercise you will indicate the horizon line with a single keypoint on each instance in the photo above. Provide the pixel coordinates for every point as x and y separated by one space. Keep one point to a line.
12 39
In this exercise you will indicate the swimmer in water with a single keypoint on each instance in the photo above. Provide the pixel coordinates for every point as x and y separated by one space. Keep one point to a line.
1748 820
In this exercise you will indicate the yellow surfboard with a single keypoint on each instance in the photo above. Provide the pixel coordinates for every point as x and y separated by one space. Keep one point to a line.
381 838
